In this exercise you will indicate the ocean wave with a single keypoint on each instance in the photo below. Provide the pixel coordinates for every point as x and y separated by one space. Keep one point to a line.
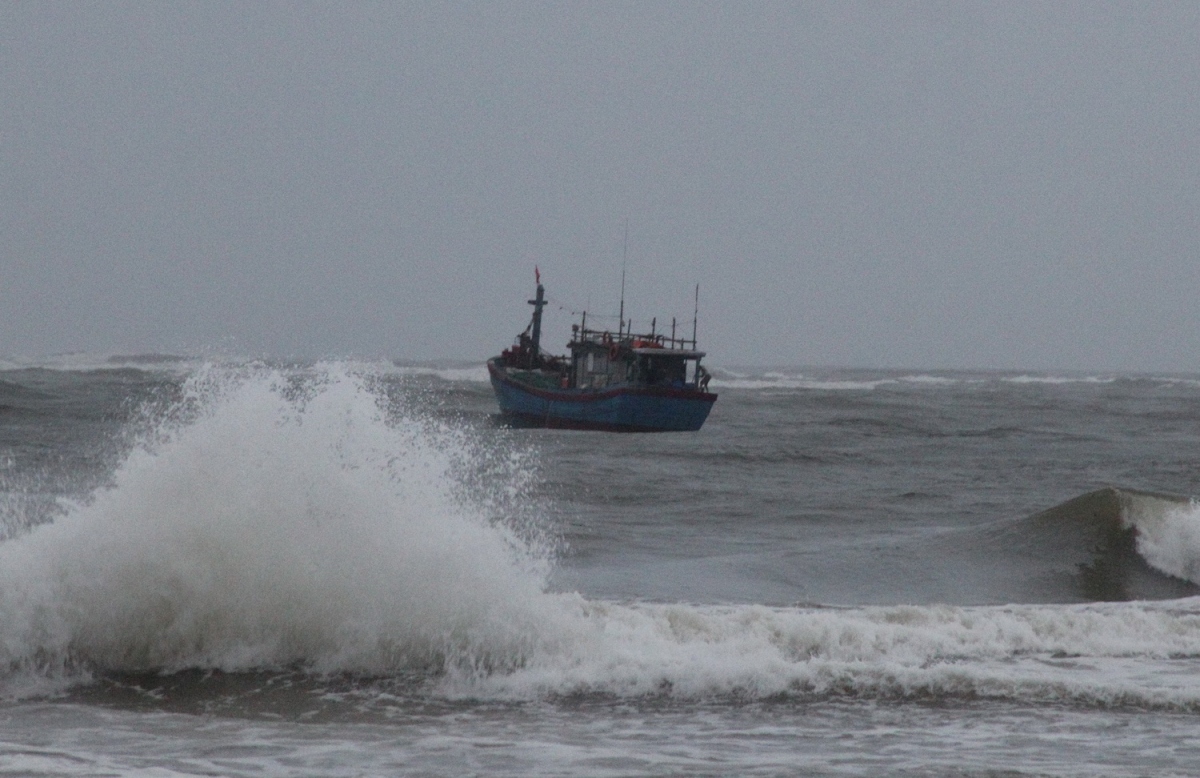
1167 534
468 373
853 380
274 520
89 362
270 519
1057 379
1088 654
1114 536
777 381
724 379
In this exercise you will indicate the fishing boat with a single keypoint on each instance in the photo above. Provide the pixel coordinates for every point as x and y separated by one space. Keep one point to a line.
619 382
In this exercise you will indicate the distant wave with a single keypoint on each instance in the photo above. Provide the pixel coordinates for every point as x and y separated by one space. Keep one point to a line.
467 373
777 380
1056 379
866 381
797 382
85 362
739 379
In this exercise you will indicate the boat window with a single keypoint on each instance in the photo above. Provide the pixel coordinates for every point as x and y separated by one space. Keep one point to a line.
663 370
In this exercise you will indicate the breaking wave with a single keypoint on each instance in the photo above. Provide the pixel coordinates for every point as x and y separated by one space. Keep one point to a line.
1110 544
1087 654
267 520
1167 533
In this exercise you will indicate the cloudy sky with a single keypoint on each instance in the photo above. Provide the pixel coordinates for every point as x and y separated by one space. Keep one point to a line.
933 185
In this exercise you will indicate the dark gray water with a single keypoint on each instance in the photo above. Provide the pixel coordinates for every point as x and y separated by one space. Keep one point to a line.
347 569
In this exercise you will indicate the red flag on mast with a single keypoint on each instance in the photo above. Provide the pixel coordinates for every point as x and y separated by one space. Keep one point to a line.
537 274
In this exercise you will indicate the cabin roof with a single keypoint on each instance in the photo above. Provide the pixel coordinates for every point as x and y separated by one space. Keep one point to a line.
677 353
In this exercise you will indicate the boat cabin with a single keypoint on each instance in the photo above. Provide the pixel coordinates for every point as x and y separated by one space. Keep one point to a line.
599 359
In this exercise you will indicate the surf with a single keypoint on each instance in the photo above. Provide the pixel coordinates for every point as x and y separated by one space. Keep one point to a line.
316 521
270 519
1111 544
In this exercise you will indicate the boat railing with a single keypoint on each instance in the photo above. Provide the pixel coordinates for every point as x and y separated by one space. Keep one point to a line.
642 340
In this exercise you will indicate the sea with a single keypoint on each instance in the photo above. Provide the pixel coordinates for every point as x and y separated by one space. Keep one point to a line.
351 568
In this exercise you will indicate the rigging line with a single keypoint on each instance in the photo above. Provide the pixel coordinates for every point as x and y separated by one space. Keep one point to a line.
564 305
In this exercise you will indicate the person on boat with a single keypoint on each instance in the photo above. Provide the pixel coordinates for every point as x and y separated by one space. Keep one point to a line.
704 378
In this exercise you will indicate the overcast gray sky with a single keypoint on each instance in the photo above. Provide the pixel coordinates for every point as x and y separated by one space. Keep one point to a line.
955 184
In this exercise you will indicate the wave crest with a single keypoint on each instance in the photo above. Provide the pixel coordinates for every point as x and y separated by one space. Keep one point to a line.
268 519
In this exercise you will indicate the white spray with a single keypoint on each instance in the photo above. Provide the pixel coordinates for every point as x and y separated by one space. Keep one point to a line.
274 521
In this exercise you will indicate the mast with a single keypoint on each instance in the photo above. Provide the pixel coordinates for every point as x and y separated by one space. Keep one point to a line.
624 259
695 315
538 303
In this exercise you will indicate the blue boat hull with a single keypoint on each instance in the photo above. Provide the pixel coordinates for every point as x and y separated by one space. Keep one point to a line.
621 408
